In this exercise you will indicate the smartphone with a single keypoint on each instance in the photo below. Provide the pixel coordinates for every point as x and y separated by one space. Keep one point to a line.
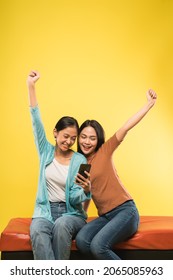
84 167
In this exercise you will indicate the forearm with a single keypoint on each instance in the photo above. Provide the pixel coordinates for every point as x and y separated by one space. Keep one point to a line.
31 80
38 130
77 195
134 120
32 95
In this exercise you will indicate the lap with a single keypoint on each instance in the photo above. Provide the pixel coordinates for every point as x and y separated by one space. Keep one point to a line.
40 224
92 228
120 223
69 221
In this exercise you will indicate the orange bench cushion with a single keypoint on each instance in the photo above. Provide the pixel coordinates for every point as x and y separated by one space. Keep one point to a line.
154 233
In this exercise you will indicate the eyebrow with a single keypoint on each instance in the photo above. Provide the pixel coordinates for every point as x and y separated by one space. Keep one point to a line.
83 134
66 134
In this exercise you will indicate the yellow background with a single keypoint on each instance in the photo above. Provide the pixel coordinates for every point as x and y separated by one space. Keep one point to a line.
97 59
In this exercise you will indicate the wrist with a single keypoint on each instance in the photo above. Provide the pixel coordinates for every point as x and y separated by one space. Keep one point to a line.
31 85
150 103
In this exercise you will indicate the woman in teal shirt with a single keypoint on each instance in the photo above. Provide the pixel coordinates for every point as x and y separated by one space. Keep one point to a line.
58 213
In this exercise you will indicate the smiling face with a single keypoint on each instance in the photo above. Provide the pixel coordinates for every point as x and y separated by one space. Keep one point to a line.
88 141
65 138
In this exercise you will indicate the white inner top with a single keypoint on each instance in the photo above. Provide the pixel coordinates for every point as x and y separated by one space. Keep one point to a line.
56 176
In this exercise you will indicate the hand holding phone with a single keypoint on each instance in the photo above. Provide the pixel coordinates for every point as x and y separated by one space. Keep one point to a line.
82 178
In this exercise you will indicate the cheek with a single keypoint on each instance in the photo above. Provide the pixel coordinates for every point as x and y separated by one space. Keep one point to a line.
72 142
80 141
94 144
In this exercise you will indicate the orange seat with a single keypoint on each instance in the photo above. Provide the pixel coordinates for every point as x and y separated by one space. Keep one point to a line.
154 233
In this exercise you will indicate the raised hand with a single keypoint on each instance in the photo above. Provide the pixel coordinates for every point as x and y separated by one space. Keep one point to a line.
32 77
151 96
31 80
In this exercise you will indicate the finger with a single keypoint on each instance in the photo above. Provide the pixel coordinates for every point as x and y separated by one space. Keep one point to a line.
152 94
81 177
88 174
33 73
78 180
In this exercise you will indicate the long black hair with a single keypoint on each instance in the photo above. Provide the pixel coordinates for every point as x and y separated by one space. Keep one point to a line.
99 131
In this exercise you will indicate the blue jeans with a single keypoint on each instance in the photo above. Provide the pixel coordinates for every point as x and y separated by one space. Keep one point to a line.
98 237
53 241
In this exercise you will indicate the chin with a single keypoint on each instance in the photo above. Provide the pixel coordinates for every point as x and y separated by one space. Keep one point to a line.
86 153
65 149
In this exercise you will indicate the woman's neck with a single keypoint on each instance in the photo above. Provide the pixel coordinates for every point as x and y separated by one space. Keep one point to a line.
63 157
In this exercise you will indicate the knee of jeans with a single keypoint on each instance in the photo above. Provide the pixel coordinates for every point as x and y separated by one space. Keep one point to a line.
79 241
36 231
82 244
62 224
35 235
97 247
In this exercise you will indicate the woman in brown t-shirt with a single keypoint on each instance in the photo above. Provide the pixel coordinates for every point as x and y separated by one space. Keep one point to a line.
118 217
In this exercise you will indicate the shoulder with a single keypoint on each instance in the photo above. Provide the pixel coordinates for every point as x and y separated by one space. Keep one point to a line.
76 160
113 140
110 145
79 157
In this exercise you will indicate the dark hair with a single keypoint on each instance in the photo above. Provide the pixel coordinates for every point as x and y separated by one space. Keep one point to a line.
65 122
99 131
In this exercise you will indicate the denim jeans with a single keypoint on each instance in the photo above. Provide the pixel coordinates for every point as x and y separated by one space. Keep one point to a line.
53 241
99 236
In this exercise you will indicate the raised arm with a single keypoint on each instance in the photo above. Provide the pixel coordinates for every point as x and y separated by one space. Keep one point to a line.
135 119
31 80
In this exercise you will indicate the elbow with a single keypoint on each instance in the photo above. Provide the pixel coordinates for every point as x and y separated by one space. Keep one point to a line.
121 135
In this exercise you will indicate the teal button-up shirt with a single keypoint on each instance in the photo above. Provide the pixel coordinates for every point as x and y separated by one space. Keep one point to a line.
75 194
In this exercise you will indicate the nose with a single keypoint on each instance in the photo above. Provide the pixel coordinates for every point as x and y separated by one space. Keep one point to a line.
68 141
87 141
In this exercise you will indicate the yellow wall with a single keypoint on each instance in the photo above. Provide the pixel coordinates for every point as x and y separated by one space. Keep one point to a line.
97 59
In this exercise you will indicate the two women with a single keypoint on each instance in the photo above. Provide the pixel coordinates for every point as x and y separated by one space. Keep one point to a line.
59 214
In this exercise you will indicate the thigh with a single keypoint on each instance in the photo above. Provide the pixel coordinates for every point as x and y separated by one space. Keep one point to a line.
69 223
123 223
40 225
88 232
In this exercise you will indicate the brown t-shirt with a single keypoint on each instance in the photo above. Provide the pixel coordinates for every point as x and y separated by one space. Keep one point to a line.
107 190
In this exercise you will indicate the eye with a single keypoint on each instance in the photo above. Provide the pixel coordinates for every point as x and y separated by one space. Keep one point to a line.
93 138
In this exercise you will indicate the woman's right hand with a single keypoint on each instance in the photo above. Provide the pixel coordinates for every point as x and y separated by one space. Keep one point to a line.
85 183
33 77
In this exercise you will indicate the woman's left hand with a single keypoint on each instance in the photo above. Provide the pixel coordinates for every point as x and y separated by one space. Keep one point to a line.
151 96
85 183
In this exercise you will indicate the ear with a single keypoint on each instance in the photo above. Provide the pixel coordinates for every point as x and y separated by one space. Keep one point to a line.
55 133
